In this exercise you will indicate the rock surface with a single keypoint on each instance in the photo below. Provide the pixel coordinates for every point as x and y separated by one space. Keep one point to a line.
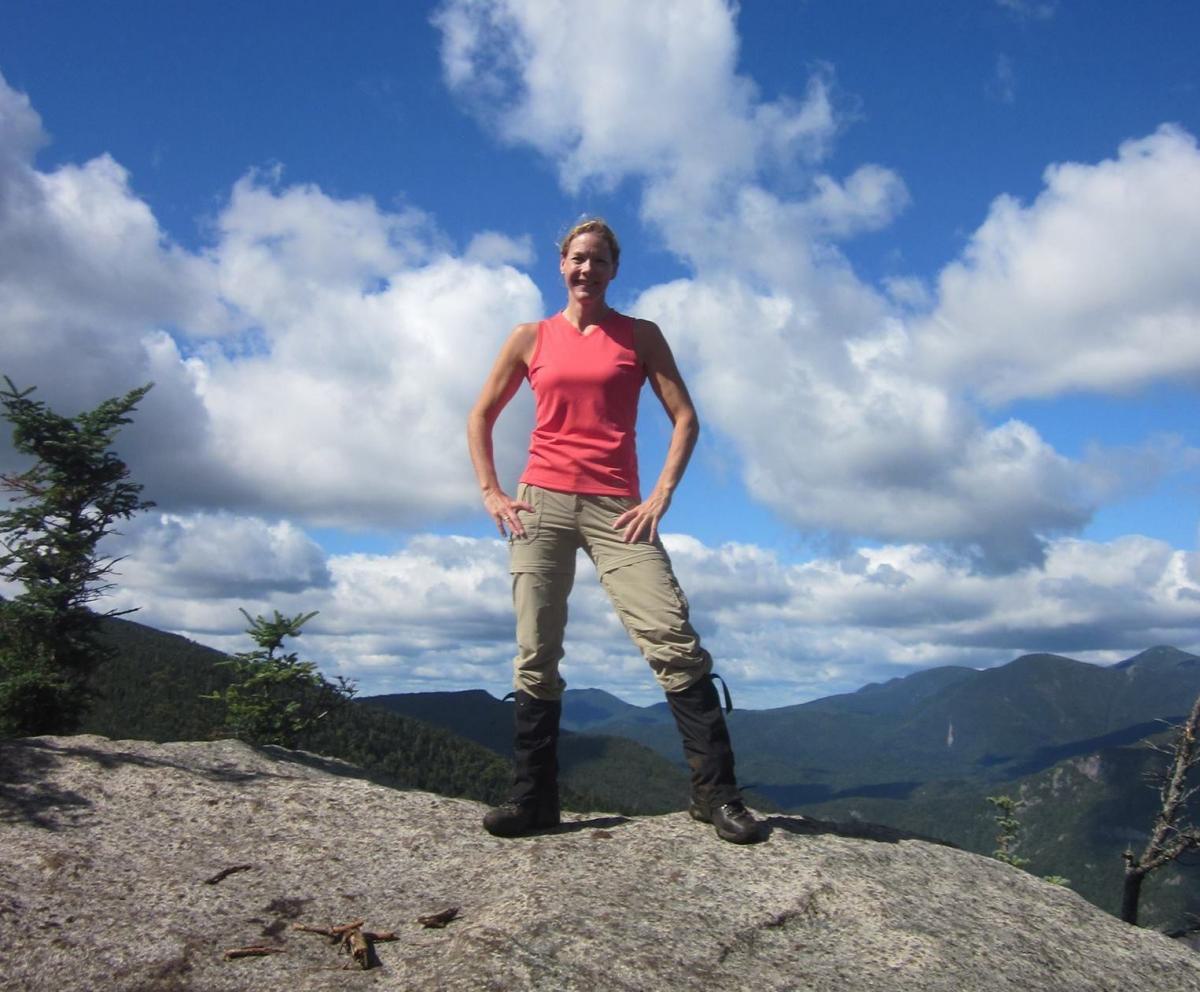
106 846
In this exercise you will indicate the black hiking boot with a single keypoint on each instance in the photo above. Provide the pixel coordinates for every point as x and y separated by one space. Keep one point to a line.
533 803
733 822
514 818
709 753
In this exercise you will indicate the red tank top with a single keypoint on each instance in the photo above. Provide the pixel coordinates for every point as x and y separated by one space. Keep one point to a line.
586 394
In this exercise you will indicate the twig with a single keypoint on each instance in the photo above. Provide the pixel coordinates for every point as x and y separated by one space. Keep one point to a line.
254 951
359 948
436 921
224 873
351 937
305 928
336 932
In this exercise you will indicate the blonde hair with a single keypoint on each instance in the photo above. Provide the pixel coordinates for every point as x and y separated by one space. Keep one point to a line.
591 225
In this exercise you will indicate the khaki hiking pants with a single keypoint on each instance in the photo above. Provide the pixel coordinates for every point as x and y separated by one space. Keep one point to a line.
637 577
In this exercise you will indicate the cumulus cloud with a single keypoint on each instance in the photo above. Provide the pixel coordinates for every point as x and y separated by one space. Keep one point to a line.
436 613
85 270
841 436
494 248
316 359
363 367
222 556
869 199
665 103
1093 286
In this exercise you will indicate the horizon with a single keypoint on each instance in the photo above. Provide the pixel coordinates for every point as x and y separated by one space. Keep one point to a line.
499 696
763 709
932 274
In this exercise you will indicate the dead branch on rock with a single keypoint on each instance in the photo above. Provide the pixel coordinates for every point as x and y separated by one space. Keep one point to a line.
435 921
352 938
254 951
225 873
336 932
358 947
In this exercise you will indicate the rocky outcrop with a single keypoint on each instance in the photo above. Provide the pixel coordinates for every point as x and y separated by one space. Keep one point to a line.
112 856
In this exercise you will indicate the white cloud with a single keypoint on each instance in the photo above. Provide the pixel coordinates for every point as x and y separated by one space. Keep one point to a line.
85 270
1093 286
908 292
353 410
870 199
437 613
493 248
840 436
316 359
665 101
221 556
21 128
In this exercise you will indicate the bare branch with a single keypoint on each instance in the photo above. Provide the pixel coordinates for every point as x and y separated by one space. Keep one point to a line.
253 951
1171 834
224 873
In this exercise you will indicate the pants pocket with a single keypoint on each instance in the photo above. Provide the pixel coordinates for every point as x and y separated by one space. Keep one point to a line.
530 520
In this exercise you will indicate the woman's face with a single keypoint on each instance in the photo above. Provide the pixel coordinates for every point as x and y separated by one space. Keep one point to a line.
587 268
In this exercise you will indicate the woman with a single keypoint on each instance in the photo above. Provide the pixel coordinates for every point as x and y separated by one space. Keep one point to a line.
580 489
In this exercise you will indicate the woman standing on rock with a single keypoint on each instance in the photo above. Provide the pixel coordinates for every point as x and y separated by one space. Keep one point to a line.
586 366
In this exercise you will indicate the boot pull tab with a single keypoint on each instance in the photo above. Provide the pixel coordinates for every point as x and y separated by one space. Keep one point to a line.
728 699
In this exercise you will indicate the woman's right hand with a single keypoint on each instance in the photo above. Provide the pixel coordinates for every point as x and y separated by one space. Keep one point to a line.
503 510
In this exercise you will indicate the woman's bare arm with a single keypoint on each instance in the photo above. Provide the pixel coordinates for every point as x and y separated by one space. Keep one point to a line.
500 386
641 522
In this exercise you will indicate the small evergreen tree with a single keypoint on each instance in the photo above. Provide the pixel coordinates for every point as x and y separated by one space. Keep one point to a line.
1006 819
60 509
274 698
1010 825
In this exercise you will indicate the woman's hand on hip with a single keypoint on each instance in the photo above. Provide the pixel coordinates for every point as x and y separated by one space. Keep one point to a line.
640 523
503 510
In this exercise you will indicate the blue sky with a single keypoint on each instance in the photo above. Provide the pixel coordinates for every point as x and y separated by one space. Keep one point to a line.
931 271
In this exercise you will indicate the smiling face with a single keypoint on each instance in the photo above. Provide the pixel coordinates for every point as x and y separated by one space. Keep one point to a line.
587 268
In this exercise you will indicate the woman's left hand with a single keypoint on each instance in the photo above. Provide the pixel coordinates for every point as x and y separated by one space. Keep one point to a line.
641 522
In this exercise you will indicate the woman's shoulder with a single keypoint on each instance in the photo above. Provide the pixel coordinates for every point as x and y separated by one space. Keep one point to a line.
643 326
647 336
522 334
521 342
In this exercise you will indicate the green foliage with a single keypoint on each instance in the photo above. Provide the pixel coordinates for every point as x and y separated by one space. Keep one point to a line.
1006 819
399 751
274 698
154 685
61 508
